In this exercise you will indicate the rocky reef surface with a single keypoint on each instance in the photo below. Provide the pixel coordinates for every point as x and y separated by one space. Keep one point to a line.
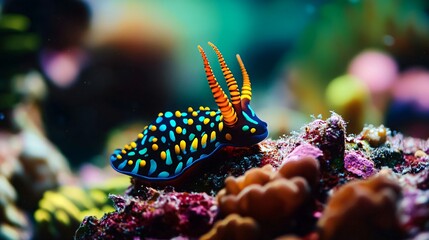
318 183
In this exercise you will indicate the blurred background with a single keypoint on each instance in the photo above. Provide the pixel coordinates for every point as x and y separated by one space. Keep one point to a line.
81 78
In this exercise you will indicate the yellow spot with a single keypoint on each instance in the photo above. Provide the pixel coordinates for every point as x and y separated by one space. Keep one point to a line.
142 163
145 127
207 108
212 136
204 139
160 114
206 120
195 144
133 145
119 157
140 136
190 109
182 145
190 121
194 114
212 113
154 146
177 149
130 162
221 118
154 139
178 130
220 126
252 130
123 151
228 137
178 114
201 108
153 128
163 155
127 147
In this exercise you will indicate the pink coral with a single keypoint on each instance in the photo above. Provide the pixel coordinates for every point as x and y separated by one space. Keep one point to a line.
359 165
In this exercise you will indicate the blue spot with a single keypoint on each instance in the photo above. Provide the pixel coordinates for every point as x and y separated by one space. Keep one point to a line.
189 162
143 140
251 110
245 128
153 166
178 168
163 174
163 139
145 132
185 121
184 114
172 123
201 118
113 157
212 124
122 165
168 114
184 131
151 138
131 153
217 118
143 151
136 167
208 112
172 137
203 156
158 120
198 127
2 117
191 136
179 157
168 160
162 128
217 144
249 119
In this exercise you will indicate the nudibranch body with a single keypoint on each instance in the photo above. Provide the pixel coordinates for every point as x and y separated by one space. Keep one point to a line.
176 140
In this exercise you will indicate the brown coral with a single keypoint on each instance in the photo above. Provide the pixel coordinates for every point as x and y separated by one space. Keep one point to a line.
274 199
362 210
234 227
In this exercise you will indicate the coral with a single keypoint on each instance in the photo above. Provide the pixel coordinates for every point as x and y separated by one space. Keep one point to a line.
387 156
318 183
234 227
163 215
375 136
328 136
358 164
363 210
283 197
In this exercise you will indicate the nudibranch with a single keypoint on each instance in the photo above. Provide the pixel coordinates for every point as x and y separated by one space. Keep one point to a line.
176 141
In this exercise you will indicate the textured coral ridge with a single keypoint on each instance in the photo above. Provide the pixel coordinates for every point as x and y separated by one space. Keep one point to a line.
318 183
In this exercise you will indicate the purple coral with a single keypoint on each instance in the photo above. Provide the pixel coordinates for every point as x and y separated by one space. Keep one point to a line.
359 165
